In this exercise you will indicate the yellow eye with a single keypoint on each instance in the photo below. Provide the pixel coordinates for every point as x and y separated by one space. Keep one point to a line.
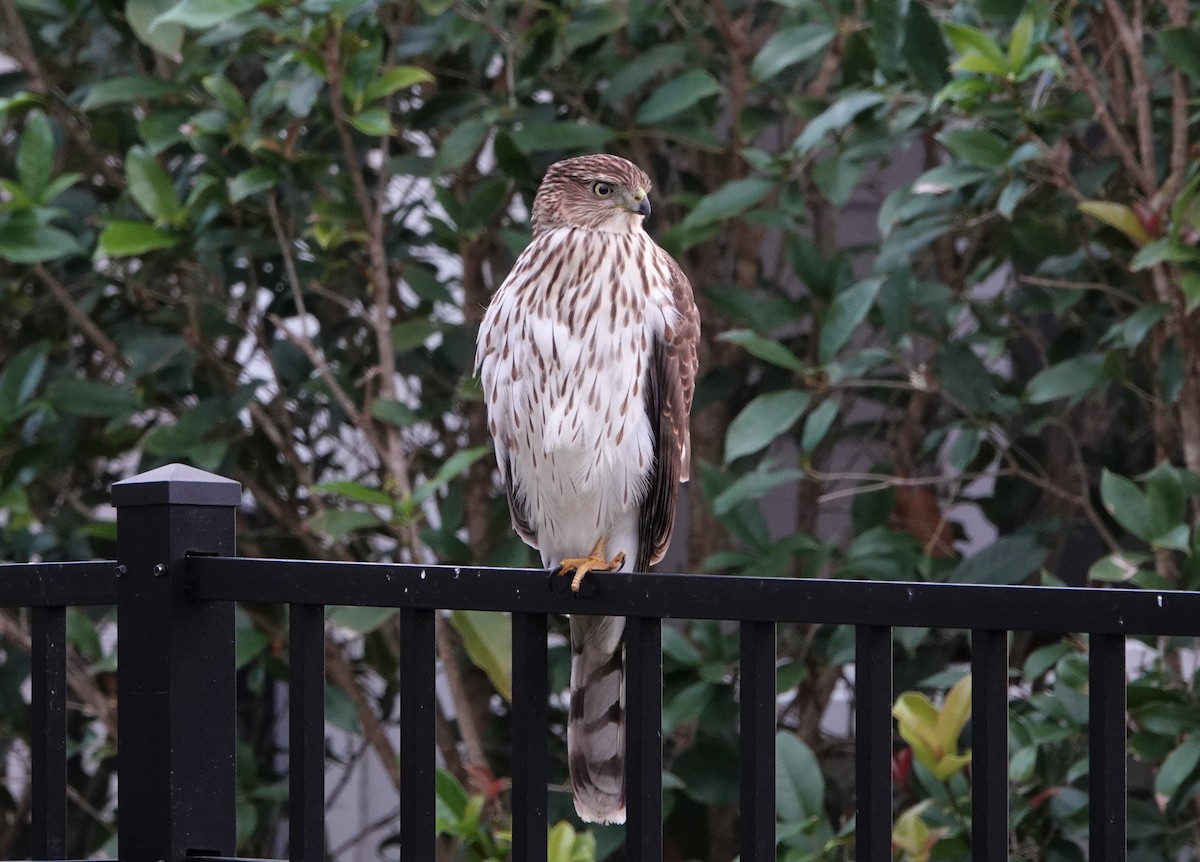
601 190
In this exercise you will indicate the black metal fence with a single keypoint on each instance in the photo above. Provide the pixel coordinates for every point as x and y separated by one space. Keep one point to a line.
176 580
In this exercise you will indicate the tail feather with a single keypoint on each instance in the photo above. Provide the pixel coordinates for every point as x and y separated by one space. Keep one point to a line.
596 720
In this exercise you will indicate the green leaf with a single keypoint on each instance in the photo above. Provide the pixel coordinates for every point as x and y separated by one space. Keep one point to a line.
911 835
789 46
1118 568
643 68
834 118
686 705
374 121
1178 769
924 49
848 309
1132 330
1127 504
15 198
560 842
92 398
202 14
360 620
1008 560
1012 194
799 783
731 199
58 185
1122 217
24 240
165 39
1020 43
752 486
394 79
591 22
1190 285
127 238
413 333
251 182
356 491
393 413
249 642
150 186
460 145
19 378
817 425
118 91
1071 378
487 638
977 146
677 95
561 137
964 377
339 523
228 96
762 420
979 51
945 178
454 466
763 348
954 713
886 34
35 155
1164 250
1181 48
676 646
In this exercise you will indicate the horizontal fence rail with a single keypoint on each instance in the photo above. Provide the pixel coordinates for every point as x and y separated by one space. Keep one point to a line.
45 585
176 580
713 597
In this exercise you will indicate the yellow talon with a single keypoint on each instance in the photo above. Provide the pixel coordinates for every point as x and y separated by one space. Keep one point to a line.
593 562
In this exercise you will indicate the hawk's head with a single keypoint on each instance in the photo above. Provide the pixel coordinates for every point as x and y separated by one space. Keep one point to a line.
599 192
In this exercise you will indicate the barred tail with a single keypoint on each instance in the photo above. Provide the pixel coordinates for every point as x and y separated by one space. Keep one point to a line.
596 721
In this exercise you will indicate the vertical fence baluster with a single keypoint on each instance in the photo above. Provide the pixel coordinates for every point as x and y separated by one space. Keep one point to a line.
530 721
757 743
306 733
48 741
418 745
643 737
873 742
1107 780
989 746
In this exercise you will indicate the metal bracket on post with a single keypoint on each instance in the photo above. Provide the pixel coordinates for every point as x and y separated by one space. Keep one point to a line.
175 684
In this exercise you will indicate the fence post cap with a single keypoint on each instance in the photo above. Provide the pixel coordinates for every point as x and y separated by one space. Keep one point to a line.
176 483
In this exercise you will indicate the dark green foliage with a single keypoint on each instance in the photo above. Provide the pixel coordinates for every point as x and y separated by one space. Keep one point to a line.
946 258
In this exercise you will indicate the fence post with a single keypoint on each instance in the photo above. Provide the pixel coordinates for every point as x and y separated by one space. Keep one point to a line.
175 680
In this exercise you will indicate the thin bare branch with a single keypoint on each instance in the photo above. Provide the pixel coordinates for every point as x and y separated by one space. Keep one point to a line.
80 318
1087 80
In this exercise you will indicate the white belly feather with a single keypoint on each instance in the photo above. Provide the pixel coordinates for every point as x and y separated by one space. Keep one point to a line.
564 367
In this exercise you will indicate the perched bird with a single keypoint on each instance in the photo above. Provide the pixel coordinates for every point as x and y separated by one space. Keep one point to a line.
587 354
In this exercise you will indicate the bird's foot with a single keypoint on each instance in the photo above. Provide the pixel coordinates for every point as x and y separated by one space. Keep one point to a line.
593 562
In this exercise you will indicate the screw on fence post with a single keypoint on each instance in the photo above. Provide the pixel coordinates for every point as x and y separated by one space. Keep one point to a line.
175 689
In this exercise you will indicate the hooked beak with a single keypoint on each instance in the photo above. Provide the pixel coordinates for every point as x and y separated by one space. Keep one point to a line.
640 203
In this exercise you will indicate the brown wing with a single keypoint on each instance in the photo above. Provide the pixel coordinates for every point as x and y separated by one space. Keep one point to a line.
669 390
516 509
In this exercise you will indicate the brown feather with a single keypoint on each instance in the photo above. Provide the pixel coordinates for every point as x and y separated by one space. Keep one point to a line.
671 385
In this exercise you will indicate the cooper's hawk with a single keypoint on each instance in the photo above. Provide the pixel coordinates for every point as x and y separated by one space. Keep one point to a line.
588 359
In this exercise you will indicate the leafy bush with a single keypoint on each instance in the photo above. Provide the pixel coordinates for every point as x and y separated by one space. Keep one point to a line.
256 236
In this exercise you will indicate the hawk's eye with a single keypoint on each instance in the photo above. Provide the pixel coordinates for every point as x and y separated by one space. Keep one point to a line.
601 190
